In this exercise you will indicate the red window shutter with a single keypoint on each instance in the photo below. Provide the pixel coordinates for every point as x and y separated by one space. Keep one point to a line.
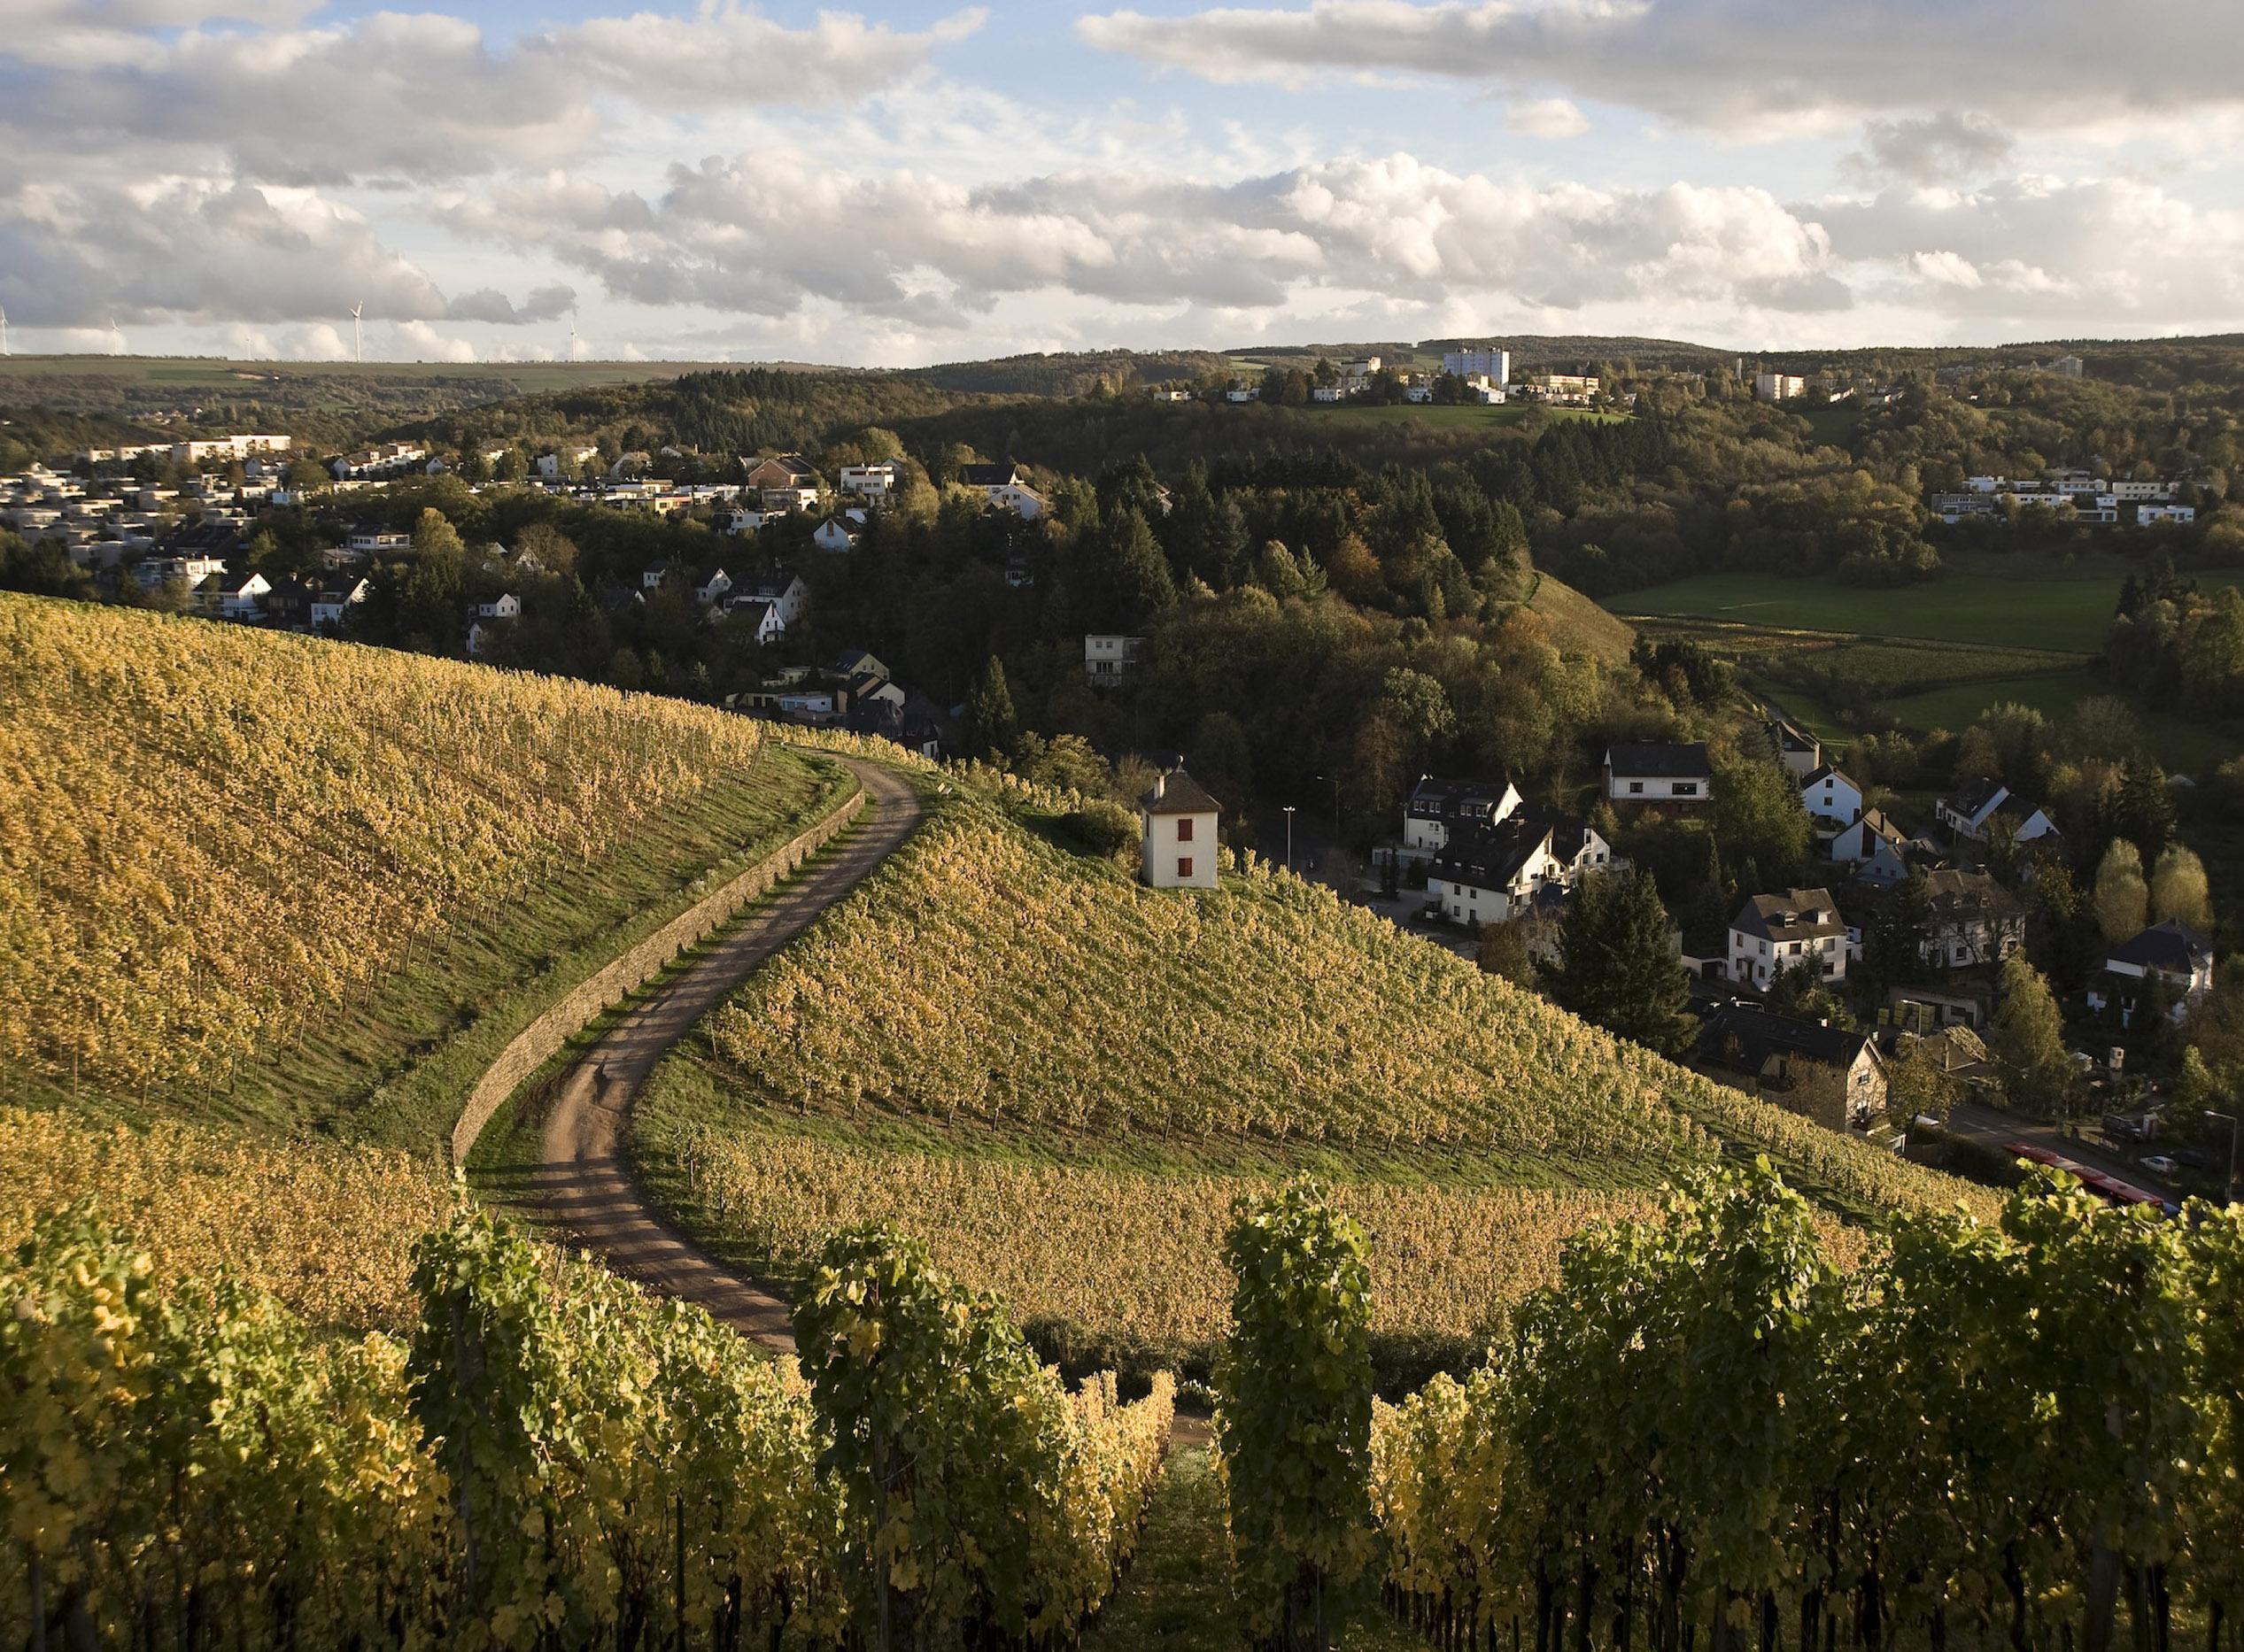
1184 830
1184 867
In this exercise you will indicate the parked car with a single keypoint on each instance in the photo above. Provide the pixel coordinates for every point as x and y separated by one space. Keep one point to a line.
2159 1164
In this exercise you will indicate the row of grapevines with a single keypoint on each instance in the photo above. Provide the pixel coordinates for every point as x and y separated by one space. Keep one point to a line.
985 974
328 1229
1134 1256
210 835
2011 1434
552 1460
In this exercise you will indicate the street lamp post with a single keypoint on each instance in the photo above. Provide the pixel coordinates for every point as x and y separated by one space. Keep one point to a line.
1289 837
2230 1120
1333 782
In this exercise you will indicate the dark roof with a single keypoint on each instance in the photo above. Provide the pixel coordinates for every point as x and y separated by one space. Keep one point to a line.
1875 823
1436 799
1973 796
1489 857
1746 1037
1796 915
988 475
1177 793
1569 833
1827 771
1660 759
2172 946
1789 737
1953 892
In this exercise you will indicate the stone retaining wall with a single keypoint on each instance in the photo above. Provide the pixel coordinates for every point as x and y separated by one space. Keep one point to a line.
540 1041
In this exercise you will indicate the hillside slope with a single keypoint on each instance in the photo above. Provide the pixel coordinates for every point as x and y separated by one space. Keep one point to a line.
261 877
1061 1079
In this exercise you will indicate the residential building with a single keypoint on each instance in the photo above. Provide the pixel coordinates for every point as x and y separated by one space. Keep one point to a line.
836 535
1491 873
1970 921
991 479
2152 516
1486 361
504 605
787 472
1773 933
1778 387
232 597
876 483
332 608
1562 387
2065 367
1243 393
565 461
377 541
760 616
1874 846
1022 501
1177 822
1828 1074
1109 659
1659 772
778 501
1973 810
784 589
1830 796
1438 807
2174 953
1800 751
225 449
2141 492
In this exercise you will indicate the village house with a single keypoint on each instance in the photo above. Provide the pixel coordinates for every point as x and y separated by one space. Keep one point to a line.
2176 954
714 589
1773 933
1438 807
1971 812
1830 796
1827 1074
836 534
1489 874
1022 501
232 597
377 541
759 616
332 607
1659 772
875 482
1971 920
783 472
565 461
784 589
504 605
1874 846
1177 821
1109 659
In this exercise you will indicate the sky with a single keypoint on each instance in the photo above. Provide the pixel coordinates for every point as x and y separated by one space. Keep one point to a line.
935 181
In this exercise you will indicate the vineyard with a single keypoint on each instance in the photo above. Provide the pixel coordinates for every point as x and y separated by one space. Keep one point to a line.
244 874
2017 1435
1131 1260
326 1230
986 975
548 1459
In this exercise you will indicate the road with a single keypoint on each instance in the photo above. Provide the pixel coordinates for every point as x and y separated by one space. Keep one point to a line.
583 1184
1992 1127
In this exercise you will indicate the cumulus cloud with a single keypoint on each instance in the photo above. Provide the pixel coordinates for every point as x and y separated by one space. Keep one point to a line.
1546 118
417 341
490 305
196 250
1746 67
1944 147
423 97
765 236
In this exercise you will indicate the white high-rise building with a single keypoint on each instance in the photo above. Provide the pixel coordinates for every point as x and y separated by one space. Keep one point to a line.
1487 362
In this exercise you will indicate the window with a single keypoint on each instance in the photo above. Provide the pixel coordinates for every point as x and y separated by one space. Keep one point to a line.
1685 789
1184 866
1636 788
1184 830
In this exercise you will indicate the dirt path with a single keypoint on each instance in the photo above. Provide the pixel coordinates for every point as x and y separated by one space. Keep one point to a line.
583 1183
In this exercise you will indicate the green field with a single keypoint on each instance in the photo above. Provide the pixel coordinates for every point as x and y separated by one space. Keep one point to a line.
242 378
2030 609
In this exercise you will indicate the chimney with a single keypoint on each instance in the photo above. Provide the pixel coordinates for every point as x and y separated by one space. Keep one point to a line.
1160 787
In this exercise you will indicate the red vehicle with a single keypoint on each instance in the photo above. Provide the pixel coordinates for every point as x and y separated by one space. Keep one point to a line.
2099 1182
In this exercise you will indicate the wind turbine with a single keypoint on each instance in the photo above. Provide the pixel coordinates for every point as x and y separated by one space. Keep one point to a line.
358 334
117 334
4 331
